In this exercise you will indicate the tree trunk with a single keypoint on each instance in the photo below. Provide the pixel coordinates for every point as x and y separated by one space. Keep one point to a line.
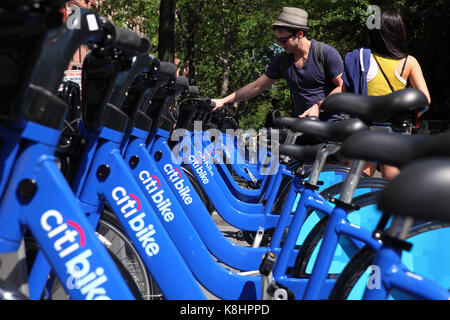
166 34
190 41
226 74
225 60
191 27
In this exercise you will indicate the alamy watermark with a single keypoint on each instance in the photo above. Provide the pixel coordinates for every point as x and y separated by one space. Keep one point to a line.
74 19
374 281
234 147
374 20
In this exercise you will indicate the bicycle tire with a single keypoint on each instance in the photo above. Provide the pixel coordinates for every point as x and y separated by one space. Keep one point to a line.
198 189
130 259
10 292
363 259
57 291
249 236
315 236
127 260
286 183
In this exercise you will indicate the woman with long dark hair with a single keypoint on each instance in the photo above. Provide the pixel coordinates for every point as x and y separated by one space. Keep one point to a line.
384 67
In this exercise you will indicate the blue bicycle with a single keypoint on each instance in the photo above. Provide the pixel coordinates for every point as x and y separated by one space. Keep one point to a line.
35 195
426 249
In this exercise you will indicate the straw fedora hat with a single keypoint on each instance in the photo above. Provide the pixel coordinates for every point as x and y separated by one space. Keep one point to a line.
294 18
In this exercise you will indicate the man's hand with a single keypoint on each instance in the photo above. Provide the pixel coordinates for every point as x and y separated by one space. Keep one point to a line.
219 103
311 112
247 92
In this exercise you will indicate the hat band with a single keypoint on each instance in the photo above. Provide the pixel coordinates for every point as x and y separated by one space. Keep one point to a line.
289 22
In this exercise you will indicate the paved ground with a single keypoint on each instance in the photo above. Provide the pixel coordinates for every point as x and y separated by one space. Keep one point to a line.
231 233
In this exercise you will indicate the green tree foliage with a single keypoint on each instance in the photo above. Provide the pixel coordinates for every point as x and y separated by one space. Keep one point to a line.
232 46
224 44
134 14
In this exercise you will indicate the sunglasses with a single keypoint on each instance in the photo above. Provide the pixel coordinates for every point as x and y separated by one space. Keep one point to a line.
283 40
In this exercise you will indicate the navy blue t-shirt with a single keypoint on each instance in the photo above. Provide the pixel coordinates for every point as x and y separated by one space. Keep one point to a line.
308 84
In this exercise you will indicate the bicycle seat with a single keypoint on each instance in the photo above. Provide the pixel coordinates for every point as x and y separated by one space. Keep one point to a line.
422 190
330 131
289 121
379 108
393 148
302 153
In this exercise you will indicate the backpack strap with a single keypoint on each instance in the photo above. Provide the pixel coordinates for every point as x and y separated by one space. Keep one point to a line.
318 55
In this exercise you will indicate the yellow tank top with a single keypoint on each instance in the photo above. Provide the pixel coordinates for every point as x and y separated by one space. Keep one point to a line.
378 86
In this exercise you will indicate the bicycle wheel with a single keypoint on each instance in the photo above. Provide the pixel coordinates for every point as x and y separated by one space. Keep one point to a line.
126 258
357 275
331 180
366 217
10 292
331 173
122 249
198 189
57 291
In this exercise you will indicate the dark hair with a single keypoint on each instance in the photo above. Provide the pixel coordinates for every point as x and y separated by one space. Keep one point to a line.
390 39
290 30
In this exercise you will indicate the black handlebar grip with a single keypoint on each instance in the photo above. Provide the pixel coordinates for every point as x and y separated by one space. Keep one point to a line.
182 83
167 69
193 91
212 104
130 41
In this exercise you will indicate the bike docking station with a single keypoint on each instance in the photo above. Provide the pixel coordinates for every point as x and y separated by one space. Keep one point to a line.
112 189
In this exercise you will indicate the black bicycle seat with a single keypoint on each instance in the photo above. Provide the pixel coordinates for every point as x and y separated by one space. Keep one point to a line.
379 108
393 148
422 190
288 122
301 153
330 131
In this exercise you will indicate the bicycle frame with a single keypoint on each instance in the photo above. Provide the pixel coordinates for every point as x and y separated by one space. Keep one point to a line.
135 215
217 148
182 192
217 279
38 197
211 152
232 210
318 286
394 275
152 170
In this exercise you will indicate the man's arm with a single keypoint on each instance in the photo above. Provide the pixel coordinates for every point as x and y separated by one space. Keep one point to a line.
315 109
247 92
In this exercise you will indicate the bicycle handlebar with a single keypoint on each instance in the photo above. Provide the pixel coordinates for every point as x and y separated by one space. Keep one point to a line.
181 84
23 27
130 42
123 81
193 91
167 70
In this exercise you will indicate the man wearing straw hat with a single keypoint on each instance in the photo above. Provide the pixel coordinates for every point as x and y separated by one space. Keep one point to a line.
312 69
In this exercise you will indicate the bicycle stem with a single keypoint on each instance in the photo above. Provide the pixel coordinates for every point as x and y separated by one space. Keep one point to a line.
319 162
351 181
400 227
